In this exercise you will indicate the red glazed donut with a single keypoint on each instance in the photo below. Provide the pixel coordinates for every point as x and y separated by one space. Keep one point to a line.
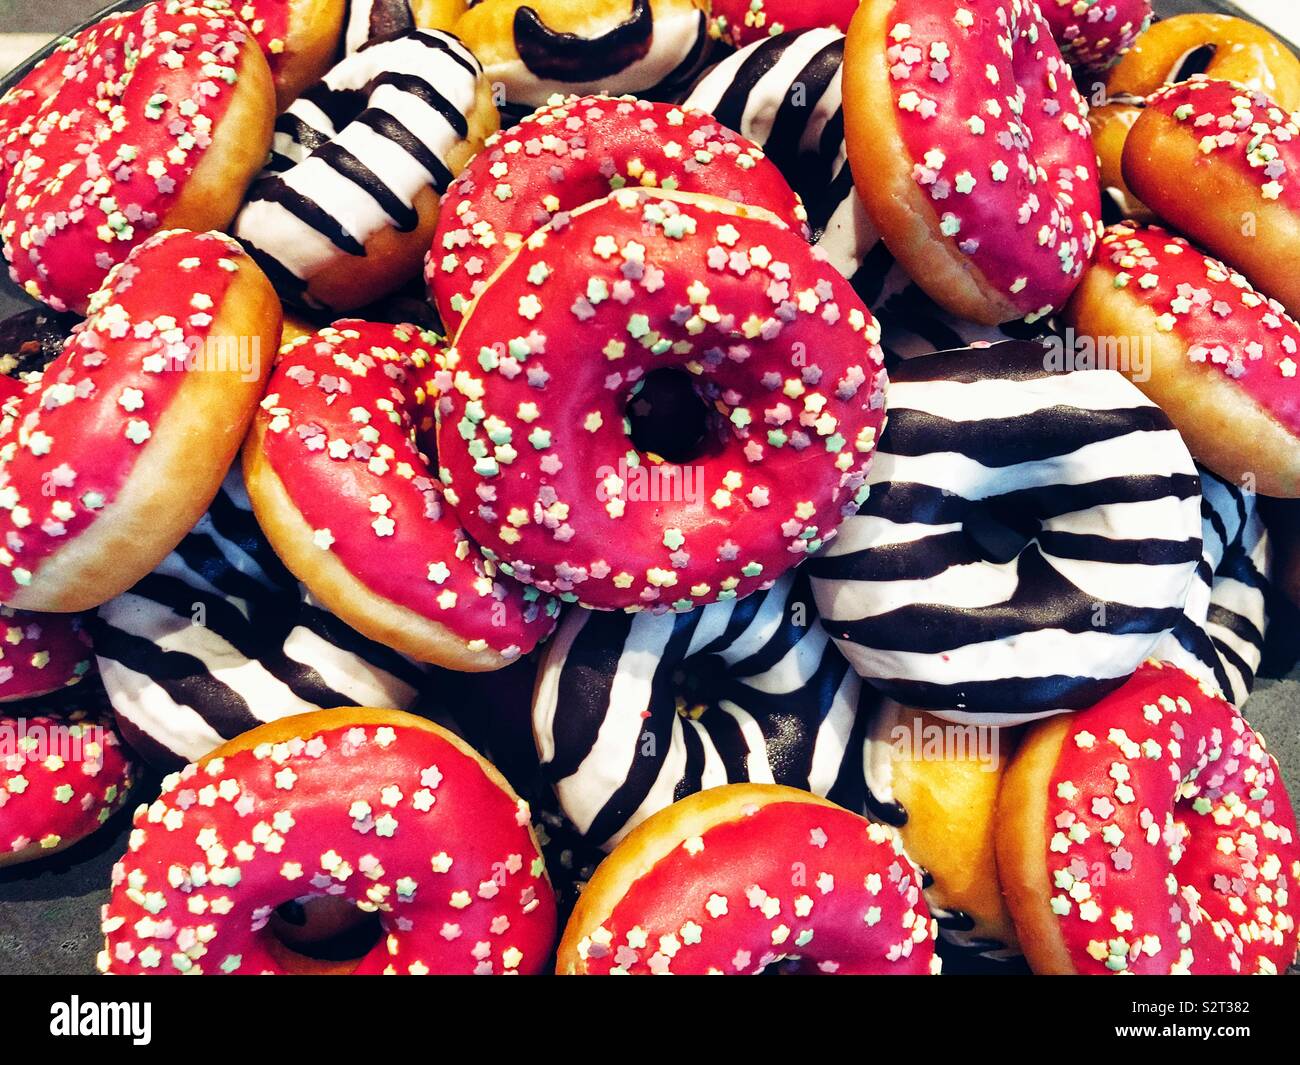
1150 834
531 433
736 878
40 653
971 151
61 777
298 37
573 151
1222 164
742 22
337 469
1223 357
109 458
158 119
1094 33
376 807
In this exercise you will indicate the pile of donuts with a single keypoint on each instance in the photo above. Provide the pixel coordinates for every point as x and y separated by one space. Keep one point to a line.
883 600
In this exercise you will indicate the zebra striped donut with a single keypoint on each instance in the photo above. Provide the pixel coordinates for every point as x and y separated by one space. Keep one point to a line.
784 94
621 733
345 210
1219 639
1028 538
217 640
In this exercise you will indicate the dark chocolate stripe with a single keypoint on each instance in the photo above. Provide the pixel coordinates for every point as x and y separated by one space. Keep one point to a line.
582 699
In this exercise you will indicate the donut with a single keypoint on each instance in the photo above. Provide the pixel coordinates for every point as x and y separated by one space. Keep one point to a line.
742 22
739 878
385 810
575 150
1150 834
1093 34
779 348
1027 538
112 455
41 653
62 775
346 208
634 711
1219 640
785 94
220 638
1171 51
298 37
536 49
157 120
1222 356
348 498
955 127
937 785
1222 164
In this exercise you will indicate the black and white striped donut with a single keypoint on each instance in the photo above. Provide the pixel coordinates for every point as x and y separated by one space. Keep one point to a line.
352 154
1220 638
635 711
1029 537
784 94
217 640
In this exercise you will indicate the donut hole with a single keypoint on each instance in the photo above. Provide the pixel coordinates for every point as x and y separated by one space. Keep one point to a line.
699 683
325 928
999 531
1197 61
667 417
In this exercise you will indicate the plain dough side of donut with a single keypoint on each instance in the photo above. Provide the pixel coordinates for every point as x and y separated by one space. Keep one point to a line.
652 841
210 196
1110 128
950 804
1021 839
315 29
331 582
178 472
882 174
1223 427
393 257
438 14
1210 201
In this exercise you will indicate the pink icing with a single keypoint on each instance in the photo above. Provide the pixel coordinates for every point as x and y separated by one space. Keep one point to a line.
784 881
741 22
988 113
1173 844
41 653
104 158
69 441
349 435
531 431
1095 33
395 819
1228 327
574 151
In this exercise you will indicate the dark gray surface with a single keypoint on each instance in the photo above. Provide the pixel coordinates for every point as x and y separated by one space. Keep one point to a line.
49 911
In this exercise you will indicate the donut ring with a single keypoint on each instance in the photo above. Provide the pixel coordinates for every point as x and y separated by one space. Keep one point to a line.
118 150
351 503
570 152
1093 34
387 796
944 153
705 886
1222 356
1219 640
1170 51
221 638
112 455
40 653
1160 783
691 283
1028 537
62 776
298 37
1222 164
347 206
742 22
620 736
